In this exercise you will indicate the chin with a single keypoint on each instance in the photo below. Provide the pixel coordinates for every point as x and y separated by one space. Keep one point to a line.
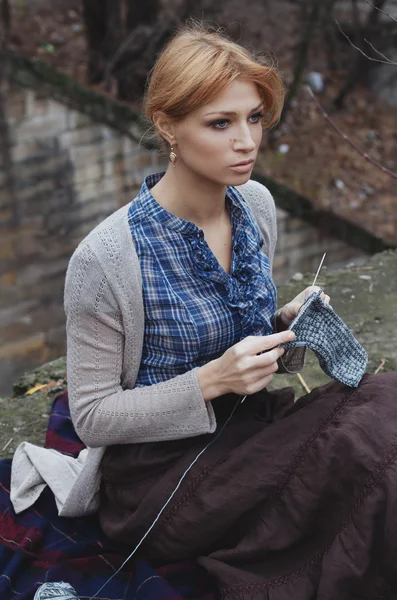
239 178
232 179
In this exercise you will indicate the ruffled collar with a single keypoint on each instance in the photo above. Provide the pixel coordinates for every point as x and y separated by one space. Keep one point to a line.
249 286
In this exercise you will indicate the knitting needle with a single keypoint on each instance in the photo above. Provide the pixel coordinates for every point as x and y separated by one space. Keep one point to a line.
318 270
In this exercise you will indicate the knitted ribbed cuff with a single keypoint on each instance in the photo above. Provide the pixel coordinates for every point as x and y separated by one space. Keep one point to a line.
293 360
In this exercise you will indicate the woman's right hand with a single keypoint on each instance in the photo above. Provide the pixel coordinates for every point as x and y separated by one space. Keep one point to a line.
242 369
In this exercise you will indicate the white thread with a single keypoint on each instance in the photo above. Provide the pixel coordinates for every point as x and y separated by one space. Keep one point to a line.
170 498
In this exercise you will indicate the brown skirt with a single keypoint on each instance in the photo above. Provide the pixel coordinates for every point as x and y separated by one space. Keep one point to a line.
292 501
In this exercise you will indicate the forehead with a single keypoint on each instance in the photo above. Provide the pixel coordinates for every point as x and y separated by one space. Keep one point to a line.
239 96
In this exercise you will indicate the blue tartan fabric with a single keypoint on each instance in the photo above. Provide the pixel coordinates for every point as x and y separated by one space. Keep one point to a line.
38 546
318 327
194 310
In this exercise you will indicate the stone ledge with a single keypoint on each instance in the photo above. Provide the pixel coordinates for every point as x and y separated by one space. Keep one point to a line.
36 74
25 417
330 223
364 296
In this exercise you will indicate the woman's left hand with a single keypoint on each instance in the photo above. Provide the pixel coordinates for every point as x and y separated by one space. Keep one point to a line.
288 313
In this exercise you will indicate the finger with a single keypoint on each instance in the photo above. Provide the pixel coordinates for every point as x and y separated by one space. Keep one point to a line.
267 359
262 383
259 343
276 339
258 384
313 288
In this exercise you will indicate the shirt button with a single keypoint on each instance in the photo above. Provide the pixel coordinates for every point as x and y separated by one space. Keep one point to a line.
198 235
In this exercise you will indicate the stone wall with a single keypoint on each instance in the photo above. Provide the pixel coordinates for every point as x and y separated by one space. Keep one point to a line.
300 247
67 172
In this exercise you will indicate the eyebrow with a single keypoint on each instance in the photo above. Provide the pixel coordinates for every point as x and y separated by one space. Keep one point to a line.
231 112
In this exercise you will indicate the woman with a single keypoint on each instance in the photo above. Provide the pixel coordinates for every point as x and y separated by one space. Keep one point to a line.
170 319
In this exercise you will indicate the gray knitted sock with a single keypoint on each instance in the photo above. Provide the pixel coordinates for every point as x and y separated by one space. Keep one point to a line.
318 327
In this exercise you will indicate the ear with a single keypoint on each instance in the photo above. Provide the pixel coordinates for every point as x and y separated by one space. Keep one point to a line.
165 126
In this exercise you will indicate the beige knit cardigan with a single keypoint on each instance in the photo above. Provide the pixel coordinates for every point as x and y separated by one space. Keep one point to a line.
105 328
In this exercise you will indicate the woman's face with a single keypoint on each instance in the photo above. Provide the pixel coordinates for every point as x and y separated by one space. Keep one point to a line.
220 140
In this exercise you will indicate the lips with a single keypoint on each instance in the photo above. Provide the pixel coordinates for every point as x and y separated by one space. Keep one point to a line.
244 163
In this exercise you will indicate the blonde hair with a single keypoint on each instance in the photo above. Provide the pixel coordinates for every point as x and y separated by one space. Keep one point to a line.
197 64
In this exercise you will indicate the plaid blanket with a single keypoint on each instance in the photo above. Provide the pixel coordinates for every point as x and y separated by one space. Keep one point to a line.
38 545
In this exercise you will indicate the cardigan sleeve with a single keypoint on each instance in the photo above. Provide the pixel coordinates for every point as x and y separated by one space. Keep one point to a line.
102 412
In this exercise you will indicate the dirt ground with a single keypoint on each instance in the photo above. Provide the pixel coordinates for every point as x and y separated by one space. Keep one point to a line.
318 163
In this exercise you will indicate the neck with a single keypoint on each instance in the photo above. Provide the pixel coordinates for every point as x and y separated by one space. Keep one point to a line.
191 197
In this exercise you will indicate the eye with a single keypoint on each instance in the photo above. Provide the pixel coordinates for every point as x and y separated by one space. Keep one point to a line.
224 123
220 124
256 117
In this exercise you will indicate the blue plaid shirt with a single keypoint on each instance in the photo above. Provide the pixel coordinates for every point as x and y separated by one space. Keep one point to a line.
194 310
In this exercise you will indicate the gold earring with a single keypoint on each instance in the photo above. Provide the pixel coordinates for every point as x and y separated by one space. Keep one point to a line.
173 157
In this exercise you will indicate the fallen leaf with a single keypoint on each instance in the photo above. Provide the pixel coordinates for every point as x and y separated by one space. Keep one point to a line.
34 389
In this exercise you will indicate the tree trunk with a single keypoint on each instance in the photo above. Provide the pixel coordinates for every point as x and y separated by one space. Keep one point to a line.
5 19
104 30
330 39
9 199
303 51
146 40
360 63
139 12
123 53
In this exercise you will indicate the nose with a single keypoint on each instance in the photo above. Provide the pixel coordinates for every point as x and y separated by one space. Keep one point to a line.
244 142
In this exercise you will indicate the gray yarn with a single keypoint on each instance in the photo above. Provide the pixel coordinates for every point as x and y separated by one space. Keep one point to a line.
55 590
318 327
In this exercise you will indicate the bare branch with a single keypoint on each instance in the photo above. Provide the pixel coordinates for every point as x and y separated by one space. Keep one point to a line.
388 60
382 11
377 60
348 140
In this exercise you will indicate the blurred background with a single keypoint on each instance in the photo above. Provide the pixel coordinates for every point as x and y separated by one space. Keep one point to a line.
73 147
